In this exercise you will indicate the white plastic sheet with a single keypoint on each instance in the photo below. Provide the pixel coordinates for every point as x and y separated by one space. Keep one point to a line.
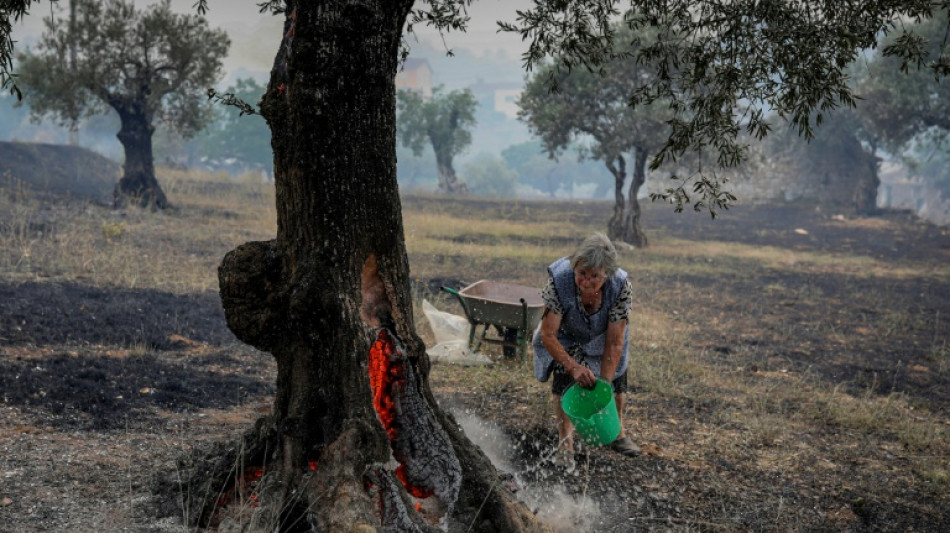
451 338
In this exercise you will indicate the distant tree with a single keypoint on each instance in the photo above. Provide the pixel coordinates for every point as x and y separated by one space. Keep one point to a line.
536 169
237 135
445 121
149 66
594 108
906 114
490 176
929 158
903 108
838 166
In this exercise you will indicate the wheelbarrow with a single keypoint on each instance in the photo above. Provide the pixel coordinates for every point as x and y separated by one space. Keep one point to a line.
514 310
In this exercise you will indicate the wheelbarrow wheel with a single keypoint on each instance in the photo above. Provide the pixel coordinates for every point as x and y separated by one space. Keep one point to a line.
510 347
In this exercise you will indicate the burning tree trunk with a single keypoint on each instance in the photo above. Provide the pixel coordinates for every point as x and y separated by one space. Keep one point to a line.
356 436
138 183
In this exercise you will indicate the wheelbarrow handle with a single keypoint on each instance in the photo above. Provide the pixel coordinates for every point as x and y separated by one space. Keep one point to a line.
468 316
450 291
468 313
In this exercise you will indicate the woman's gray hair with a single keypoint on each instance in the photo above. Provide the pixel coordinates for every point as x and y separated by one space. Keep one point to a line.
596 252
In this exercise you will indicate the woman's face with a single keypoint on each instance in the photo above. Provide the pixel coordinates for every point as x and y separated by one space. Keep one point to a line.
589 280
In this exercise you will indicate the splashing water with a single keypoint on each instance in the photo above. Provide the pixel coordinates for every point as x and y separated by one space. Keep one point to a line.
545 494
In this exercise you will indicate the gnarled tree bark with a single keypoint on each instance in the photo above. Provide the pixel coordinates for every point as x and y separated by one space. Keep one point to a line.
633 230
618 169
138 184
624 225
448 180
356 440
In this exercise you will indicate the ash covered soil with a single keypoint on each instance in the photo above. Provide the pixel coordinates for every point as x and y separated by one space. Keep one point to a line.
101 390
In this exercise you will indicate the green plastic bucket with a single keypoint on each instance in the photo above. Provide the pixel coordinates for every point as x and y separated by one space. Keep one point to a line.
593 412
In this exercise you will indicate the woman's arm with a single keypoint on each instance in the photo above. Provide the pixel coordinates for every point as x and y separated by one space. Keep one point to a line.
612 349
550 322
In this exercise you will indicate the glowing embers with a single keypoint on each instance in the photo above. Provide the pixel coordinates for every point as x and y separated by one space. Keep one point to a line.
241 498
428 467
384 374
387 377
245 488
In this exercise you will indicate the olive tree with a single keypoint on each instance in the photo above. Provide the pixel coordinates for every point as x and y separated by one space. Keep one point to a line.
148 66
903 108
355 438
445 121
594 108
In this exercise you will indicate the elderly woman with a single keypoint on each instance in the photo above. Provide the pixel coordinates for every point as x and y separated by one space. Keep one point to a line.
583 332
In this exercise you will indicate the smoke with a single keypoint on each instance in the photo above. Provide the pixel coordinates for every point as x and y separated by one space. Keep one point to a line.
546 493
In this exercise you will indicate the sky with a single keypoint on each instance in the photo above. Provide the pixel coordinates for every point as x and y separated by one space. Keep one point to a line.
255 36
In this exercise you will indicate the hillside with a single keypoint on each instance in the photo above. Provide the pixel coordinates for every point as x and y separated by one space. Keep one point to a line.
63 169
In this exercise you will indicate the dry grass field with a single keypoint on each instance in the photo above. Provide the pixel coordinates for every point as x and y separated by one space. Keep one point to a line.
790 366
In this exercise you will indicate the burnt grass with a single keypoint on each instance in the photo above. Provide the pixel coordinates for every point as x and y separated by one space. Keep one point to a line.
103 389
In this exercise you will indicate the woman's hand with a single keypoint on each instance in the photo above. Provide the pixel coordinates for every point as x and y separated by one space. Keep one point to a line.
583 376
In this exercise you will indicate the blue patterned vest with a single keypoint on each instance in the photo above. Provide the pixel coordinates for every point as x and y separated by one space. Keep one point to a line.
588 331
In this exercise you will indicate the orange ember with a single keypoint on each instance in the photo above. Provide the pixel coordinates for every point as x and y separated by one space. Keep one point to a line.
387 374
383 373
244 483
252 473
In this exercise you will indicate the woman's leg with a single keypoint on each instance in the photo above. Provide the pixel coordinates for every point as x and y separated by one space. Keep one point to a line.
565 430
623 444
618 398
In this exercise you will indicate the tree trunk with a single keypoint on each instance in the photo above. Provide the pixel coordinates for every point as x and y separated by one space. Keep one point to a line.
330 299
632 230
138 184
615 227
448 181
865 194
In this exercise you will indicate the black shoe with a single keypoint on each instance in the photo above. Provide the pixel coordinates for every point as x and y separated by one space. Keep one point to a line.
625 446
